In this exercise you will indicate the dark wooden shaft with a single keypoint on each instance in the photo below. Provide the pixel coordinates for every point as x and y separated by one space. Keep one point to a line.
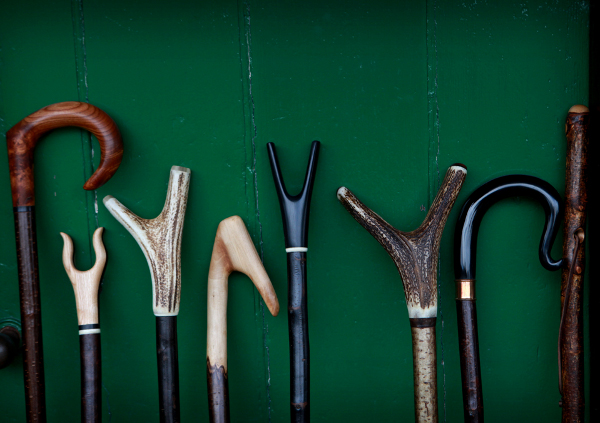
31 314
218 394
91 378
469 360
573 401
299 346
168 369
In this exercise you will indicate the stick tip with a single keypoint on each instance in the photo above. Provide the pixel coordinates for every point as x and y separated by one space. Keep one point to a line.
106 199
181 169
342 192
579 108
459 165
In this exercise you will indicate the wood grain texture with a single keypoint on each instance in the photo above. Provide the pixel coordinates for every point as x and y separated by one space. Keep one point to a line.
425 373
571 343
160 240
86 284
22 138
233 250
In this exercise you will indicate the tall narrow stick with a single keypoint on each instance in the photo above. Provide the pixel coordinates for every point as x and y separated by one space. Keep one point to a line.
571 332
294 214
233 251
21 141
86 286
416 255
160 240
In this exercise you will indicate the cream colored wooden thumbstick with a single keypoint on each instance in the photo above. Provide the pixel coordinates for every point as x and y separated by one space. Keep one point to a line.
85 284
160 240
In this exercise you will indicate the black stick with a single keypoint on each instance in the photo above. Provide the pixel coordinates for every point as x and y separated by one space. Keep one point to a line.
91 375
465 249
294 213
168 369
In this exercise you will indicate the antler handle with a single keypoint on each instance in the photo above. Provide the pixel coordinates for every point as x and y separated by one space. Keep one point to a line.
160 240
233 251
23 137
85 284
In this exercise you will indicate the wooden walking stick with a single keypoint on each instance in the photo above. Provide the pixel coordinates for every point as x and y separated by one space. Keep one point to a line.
465 249
233 251
21 140
86 286
416 255
160 240
571 323
294 214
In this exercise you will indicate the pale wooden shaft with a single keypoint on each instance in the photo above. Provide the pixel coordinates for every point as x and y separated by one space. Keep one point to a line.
233 251
85 284
160 240
425 375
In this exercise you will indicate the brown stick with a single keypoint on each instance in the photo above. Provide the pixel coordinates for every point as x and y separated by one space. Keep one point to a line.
571 331
21 140
416 254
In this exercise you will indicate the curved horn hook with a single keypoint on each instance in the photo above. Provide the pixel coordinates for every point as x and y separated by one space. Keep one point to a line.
87 283
295 208
472 212
23 137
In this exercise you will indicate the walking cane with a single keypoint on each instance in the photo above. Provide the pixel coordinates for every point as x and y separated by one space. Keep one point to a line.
160 240
465 249
233 251
86 286
294 214
416 255
21 140
571 323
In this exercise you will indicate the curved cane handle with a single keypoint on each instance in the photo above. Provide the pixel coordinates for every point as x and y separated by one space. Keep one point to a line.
488 194
23 137
85 284
414 253
160 240
295 208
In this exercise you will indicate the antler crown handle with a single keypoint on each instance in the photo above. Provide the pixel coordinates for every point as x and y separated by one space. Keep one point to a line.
295 208
160 240
86 284
487 195
414 253
23 137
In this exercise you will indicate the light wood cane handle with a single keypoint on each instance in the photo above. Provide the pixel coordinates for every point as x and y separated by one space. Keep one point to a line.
160 240
85 283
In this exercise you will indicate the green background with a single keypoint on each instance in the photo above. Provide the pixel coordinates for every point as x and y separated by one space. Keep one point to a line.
396 91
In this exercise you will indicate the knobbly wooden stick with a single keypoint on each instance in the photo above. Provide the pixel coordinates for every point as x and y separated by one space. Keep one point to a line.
416 254
86 286
233 251
571 331
160 240
21 140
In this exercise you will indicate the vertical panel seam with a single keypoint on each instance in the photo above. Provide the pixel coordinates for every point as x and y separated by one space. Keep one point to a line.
434 152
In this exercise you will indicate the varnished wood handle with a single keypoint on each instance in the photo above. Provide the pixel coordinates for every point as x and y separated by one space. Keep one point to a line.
233 250
160 240
22 138
571 342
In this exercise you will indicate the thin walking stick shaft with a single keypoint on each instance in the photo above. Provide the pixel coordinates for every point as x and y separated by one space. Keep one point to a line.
168 369
91 378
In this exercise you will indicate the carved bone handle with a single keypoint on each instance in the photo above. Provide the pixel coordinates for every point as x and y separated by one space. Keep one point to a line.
160 240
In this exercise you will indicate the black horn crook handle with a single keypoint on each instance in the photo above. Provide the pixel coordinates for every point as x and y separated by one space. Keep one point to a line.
465 248
294 213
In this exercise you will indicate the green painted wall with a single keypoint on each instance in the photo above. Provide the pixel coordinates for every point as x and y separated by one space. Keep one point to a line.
395 91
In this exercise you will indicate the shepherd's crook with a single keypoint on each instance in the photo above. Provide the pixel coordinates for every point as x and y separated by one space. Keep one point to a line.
160 240
465 248
86 286
416 255
233 251
21 140
571 326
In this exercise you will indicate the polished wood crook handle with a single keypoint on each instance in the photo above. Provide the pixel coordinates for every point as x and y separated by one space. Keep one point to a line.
23 137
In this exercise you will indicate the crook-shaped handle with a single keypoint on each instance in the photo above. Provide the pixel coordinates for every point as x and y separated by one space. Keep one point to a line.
488 194
87 283
295 208
23 137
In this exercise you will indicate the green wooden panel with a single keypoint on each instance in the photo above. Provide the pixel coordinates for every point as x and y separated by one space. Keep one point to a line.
395 91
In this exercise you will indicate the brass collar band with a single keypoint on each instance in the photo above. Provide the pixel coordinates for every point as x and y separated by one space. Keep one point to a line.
465 289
